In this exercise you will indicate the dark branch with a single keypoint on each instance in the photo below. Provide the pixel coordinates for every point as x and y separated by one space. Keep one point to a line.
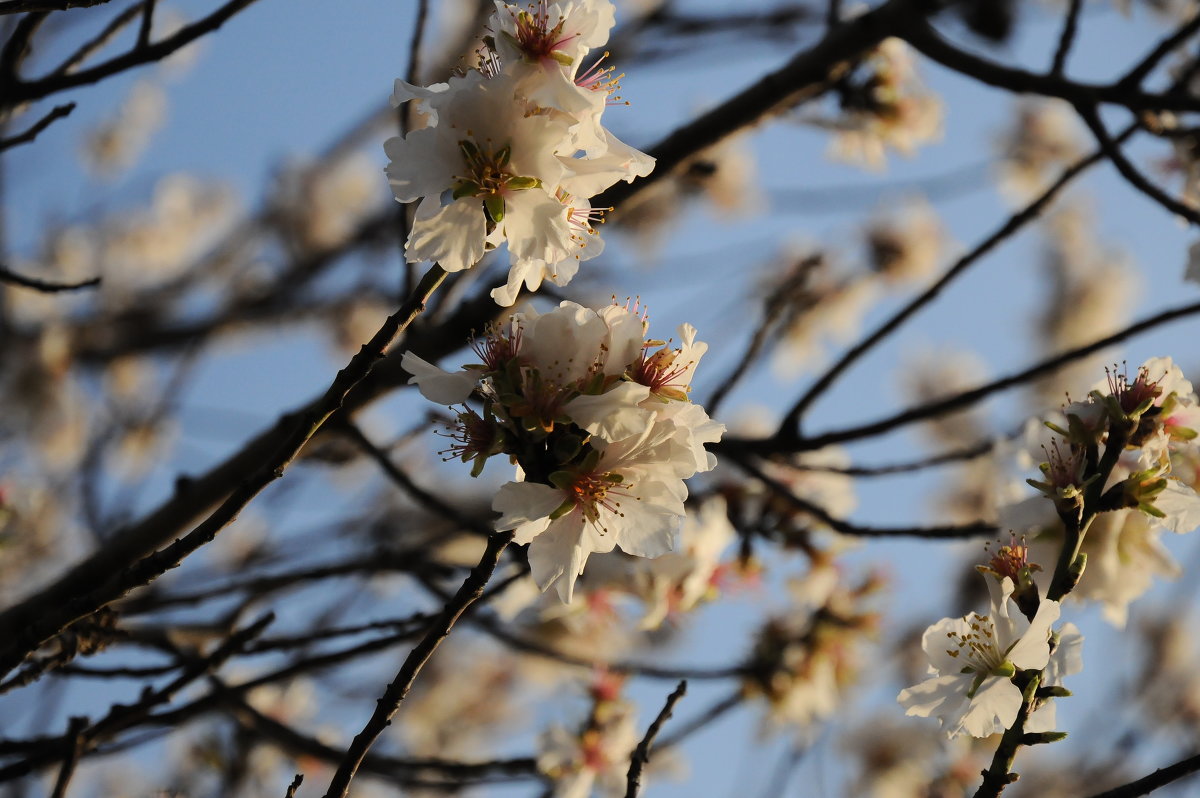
57 112
1158 778
1067 38
389 702
641 754
1112 150
25 6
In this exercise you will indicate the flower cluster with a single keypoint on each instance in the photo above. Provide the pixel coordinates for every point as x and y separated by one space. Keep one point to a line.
597 418
514 148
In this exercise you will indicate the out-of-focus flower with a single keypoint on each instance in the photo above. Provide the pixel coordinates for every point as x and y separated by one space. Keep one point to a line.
596 757
889 109
906 243
1045 136
323 204
117 142
676 582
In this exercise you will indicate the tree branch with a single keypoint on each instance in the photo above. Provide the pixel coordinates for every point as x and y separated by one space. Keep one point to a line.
641 754
389 702
57 112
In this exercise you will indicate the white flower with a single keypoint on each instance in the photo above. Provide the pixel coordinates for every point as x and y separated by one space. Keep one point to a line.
974 659
631 495
500 166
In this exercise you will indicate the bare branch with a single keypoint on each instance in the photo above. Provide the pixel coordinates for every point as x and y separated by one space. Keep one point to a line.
641 754
57 112
1159 778
396 692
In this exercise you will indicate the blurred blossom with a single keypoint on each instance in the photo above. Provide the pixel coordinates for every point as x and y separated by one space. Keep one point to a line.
33 533
889 108
1045 138
906 242
44 404
725 176
1193 264
594 759
1093 290
895 758
186 216
805 664
678 581
1169 684
463 705
117 142
323 204
821 307
933 374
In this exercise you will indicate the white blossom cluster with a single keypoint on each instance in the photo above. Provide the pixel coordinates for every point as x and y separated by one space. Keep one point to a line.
596 417
514 149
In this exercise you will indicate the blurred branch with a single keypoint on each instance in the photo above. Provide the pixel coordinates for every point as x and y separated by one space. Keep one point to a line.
641 754
44 286
1112 150
121 716
29 624
1158 778
24 6
976 529
789 428
807 75
57 112
18 91
1067 38
920 34
956 401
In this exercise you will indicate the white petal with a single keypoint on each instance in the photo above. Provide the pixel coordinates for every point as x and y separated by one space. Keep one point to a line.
525 507
612 415
993 709
536 227
943 697
422 164
938 643
1181 505
452 236
1032 651
442 387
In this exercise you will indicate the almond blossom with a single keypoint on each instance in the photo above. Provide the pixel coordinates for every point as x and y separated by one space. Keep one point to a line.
972 663
598 419
513 150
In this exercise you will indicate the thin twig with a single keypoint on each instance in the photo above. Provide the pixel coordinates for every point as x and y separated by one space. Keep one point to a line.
790 425
24 6
389 702
100 40
1067 38
1130 172
57 112
975 529
956 401
641 754
717 710
295 785
45 286
75 732
143 39
19 91
1158 778
404 116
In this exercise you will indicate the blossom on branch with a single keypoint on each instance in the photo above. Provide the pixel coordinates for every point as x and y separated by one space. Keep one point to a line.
598 420
514 149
